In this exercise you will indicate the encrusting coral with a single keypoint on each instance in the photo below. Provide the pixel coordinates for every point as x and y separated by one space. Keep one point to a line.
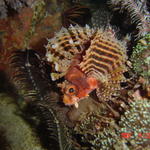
99 131
136 123
141 57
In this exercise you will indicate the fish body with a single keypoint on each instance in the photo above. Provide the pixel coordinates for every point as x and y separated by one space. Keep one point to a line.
96 62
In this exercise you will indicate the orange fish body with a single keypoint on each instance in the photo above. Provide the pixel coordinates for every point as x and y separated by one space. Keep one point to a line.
79 86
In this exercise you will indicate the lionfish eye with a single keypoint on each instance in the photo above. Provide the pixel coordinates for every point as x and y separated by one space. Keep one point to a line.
71 90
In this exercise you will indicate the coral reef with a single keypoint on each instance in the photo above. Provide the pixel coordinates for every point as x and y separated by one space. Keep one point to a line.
33 87
136 122
99 132
18 31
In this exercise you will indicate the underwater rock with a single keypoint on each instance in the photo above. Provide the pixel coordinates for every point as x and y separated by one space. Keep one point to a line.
86 106
4 143
18 133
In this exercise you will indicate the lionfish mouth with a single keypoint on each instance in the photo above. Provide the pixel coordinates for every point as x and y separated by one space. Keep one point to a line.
68 101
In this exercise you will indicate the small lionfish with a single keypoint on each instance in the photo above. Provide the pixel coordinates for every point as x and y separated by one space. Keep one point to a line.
89 59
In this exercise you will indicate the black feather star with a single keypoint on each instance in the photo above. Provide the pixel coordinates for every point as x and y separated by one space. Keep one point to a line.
28 74
30 77
57 134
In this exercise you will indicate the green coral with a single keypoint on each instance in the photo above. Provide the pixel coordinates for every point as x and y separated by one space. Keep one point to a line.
136 121
141 57
100 132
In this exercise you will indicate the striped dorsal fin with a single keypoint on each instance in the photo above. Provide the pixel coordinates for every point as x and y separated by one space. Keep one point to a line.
105 60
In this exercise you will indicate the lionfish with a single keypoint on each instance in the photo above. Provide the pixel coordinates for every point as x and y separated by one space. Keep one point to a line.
88 59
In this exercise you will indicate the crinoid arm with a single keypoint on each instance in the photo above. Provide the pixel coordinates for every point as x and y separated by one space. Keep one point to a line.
137 11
